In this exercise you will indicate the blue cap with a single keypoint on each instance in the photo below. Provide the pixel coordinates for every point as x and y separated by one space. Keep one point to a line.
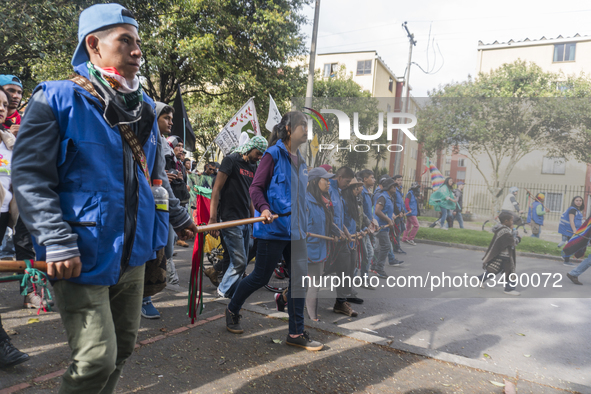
95 18
10 80
319 172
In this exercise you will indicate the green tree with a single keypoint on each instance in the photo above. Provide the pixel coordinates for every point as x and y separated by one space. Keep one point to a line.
498 118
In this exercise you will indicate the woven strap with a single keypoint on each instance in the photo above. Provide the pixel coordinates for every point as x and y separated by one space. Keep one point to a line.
136 148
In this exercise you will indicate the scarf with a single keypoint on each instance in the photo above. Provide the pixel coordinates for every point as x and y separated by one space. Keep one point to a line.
15 118
110 77
257 142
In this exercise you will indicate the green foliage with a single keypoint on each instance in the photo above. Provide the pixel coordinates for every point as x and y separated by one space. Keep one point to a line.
499 117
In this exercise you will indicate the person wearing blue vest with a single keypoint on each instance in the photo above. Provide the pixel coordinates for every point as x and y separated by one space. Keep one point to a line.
384 210
354 223
400 212
570 221
536 214
87 152
369 180
412 207
279 188
392 260
320 222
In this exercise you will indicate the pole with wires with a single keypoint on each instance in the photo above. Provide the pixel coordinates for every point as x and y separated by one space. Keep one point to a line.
405 94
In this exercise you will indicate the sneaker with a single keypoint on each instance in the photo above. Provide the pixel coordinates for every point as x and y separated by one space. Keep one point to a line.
380 274
219 293
569 264
355 300
304 341
411 242
432 225
399 251
233 322
149 311
344 308
368 287
9 355
213 276
574 279
182 243
395 263
512 292
33 301
279 274
280 302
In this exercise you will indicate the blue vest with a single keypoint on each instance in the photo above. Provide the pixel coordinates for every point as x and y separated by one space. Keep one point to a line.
317 248
91 186
387 209
413 204
338 203
400 200
534 215
281 195
367 204
564 227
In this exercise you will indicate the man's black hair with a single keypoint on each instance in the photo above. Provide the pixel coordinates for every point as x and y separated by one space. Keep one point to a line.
186 160
396 177
345 172
504 216
363 174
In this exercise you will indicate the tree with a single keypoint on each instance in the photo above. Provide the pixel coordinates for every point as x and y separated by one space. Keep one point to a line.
501 116
342 93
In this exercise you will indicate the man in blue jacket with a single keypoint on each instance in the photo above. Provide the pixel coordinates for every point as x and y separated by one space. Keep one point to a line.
87 152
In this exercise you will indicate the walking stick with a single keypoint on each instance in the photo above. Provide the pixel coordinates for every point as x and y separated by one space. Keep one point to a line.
535 198
232 223
21 266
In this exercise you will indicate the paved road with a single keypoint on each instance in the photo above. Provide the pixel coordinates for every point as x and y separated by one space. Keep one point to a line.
545 336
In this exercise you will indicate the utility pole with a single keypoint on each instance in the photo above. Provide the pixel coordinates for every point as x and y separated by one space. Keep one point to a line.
405 92
310 86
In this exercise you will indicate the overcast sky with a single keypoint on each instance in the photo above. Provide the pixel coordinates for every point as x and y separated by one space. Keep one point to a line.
456 26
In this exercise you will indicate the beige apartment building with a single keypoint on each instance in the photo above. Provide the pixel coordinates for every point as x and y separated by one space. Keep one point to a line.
369 71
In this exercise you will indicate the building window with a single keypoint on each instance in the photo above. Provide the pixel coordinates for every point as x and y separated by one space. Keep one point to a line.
554 165
553 202
390 84
414 153
448 160
364 67
564 52
461 175
461 162
330 70
447 173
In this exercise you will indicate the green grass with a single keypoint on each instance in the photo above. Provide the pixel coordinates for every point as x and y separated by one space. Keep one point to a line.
483 238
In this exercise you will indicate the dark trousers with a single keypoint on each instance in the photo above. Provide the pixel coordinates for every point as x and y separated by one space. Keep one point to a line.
3 334
400 229
341 267
269 253
23 246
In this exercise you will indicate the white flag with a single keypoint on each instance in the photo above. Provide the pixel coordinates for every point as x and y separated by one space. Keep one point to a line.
244 120
274 115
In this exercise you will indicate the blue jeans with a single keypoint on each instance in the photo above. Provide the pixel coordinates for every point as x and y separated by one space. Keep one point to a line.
269 253
444 213
237 240
169 248
367 256
460 219
582 267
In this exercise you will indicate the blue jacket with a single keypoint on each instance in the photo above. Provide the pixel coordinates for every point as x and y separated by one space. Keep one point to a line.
399 200
338 203
367 203
79 196
387 210
292 226
412 203
317 248
533 214
564 227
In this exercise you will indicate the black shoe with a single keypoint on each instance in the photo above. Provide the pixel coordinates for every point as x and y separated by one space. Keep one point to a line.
400 251
433 224
280 302
395 263
355 300
380 274
9 355
233 322
304 341
574 279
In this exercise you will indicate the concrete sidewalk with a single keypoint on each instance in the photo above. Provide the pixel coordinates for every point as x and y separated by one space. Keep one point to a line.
174 357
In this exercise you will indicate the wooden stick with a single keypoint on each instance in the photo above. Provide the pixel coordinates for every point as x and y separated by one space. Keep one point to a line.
232 223
21 266
535 198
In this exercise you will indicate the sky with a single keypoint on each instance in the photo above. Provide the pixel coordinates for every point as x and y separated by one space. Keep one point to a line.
447 32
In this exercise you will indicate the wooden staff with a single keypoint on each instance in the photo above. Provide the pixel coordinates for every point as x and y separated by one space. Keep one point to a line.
21 266
535 198
232 223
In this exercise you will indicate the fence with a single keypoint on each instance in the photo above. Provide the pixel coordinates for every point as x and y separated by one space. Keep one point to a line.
478 201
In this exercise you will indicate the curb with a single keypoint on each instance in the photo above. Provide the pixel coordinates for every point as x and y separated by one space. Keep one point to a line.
483 249
517 374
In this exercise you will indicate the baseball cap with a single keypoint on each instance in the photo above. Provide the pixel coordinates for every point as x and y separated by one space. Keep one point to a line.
319 172
7 79
95 18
